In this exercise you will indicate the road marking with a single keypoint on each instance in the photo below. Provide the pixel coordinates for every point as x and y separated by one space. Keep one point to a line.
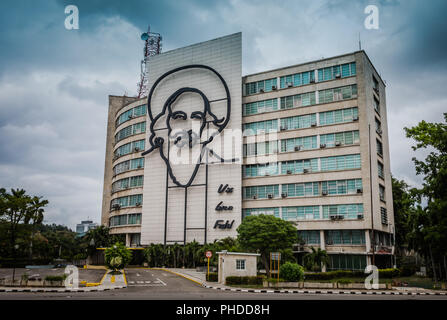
147 282
161 281
138 275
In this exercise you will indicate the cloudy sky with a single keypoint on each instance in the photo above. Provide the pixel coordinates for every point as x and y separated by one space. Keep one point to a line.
54 83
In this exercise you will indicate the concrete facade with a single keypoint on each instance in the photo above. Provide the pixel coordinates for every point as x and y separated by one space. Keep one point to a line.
162 217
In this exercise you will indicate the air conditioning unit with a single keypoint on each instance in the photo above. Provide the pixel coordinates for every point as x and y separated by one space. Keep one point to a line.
270 196
289 171
338 75
323 145
333 217
138 204
116 206
283 128
284 195
360 216
359 190
254 197
130 116
305 170
273 87
337 143
289 84
313 124
139 167
261 90
324 193
136 149
266 174
340 217
312 80
297 148
355 118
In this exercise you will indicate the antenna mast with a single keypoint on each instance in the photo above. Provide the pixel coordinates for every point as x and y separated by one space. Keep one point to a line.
152 47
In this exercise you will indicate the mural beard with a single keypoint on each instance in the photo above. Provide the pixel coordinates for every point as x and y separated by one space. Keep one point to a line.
189 140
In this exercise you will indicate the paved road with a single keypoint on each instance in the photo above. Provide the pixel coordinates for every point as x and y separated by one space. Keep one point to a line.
161 285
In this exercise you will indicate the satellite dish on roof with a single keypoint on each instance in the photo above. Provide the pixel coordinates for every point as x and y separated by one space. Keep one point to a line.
144 36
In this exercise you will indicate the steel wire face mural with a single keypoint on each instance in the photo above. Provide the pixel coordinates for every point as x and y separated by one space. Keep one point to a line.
185 139
182 139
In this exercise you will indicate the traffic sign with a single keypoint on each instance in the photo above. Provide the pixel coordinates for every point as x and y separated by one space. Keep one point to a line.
208 254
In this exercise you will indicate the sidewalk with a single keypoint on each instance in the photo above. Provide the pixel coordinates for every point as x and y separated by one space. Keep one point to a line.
108 282
200 277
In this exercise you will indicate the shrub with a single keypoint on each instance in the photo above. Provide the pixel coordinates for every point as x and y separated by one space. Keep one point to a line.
256 280
334 275
212 277
408 270
389 273
56 278
291 272
344 281
117 256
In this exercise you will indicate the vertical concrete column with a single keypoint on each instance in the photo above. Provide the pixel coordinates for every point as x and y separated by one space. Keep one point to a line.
367 241
127 240
322 247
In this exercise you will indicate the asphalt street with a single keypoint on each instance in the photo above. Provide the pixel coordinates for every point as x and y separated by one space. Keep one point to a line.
144 284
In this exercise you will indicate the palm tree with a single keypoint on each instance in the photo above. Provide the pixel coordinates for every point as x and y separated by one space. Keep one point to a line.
316 259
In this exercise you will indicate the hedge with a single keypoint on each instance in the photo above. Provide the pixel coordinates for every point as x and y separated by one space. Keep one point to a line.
383 273
255 280
56 278
212 277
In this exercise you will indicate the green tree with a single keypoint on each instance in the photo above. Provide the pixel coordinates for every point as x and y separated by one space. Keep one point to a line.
432 220
117 256
315 259
265 234
291 272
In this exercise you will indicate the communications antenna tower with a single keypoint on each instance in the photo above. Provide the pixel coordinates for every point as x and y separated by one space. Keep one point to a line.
152 47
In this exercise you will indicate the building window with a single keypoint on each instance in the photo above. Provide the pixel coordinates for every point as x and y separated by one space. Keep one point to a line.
299 166
346 211
310 236
131 114
127 201
128 165
130 147
126 183
298 79
125 219
346 162
307 189
260 127
337 94
260 170
297 144
380 170
260 107
135 239
260 86
131 130
260 148
240 264
334 72
257 211
261 192
340 187
299 100
382 192
347 262
338 237
301 213
376 105
340 138
383 215
339 116
379 148
298 122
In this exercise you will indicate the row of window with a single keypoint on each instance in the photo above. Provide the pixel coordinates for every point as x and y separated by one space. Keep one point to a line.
304 121
301 143
298 100
130 114
324 212
339 71
126 183
333 237
343 162
134 146
131 130
297 79
127 201
307 189
260 86
128 165
125 219
260 107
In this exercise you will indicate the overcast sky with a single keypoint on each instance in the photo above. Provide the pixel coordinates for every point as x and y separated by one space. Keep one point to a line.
54 83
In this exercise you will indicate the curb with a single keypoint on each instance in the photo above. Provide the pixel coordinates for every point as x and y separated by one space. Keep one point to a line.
58 290
326 291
